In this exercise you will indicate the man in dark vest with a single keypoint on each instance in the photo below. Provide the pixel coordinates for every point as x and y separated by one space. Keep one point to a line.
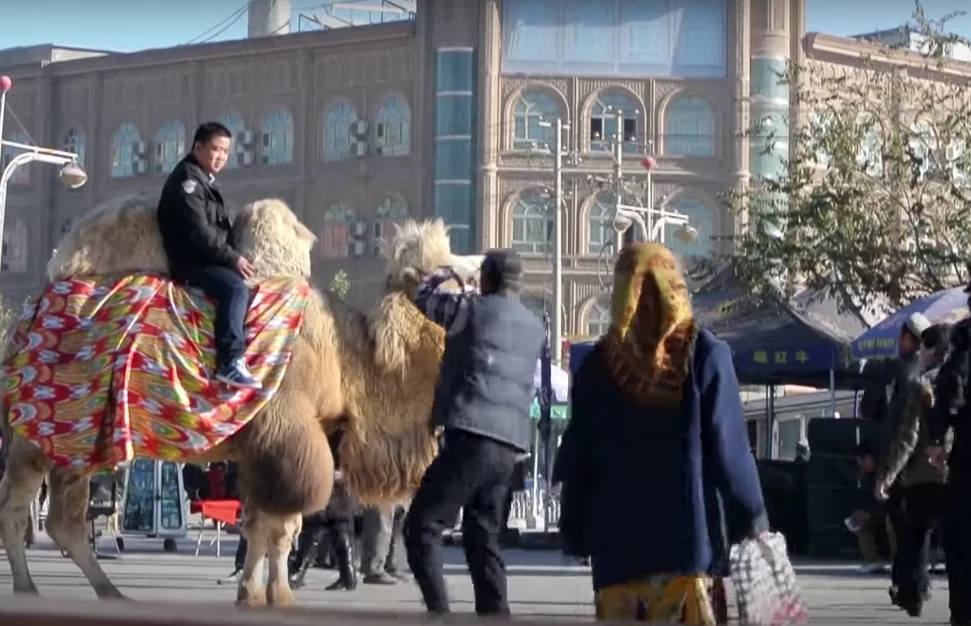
197 234
482 401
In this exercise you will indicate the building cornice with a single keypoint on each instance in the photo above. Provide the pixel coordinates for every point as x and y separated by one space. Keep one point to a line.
333 38
853 52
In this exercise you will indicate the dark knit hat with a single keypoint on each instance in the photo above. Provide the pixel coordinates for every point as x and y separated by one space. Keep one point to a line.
504 267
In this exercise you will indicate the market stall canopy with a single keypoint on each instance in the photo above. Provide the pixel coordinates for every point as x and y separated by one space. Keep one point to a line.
944 307
775 342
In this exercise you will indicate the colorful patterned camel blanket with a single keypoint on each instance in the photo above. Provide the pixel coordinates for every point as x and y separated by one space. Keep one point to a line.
106 369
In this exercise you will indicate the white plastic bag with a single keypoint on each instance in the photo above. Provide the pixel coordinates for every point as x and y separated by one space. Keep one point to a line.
765 583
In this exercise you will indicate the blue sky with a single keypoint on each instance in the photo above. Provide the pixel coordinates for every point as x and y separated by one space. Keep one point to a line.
127 25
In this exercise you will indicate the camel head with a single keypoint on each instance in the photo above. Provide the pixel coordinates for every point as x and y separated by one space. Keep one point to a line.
121 236
419 247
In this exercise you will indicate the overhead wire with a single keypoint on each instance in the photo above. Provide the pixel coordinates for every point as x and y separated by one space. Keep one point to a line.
232 18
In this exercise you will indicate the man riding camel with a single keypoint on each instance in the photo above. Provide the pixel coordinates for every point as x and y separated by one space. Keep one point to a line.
197 234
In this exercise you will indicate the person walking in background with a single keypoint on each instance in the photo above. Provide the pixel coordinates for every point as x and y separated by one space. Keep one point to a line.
868 522
655 443
379 562
911 400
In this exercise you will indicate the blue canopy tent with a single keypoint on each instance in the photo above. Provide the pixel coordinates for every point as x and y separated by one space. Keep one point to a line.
947 307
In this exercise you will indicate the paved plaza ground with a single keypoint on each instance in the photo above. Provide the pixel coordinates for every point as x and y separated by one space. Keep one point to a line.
540 583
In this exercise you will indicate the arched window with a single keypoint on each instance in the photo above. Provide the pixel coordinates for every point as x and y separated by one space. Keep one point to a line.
601 223
75 141
532 224
21 175
923 143
338 140
533 107
277 138
392 210
689 128
603 122
870 154
16 247
169 146
954 155
700 218
335 236
126 152
392 132
820 128
598 317
234 122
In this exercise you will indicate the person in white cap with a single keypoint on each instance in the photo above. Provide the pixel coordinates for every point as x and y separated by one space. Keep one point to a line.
910 396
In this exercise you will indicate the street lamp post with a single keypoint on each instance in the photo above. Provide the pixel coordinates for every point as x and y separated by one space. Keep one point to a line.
71 173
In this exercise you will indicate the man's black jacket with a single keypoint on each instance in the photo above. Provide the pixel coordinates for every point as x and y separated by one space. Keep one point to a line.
196 225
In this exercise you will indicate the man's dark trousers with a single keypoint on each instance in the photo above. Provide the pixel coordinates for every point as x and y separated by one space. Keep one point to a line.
957 546
231 294
921 506
471 473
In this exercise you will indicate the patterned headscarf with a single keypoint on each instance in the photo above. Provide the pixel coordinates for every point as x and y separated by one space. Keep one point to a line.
652 329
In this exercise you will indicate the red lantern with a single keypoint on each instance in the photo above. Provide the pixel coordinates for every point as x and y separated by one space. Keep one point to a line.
649 163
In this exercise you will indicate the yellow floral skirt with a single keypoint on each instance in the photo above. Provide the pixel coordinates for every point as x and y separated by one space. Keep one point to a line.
668 599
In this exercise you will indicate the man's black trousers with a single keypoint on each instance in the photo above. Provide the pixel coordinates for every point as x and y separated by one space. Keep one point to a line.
231 294
920 507
957 546
471 473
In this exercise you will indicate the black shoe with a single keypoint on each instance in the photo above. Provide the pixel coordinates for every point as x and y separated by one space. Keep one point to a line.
347 576
235 374
380 578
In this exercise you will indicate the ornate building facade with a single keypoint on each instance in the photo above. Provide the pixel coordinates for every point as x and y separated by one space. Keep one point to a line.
445 115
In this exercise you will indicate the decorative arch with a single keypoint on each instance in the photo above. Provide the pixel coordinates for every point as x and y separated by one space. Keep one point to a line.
277 131
524 110
600 116
335 234
126 148
393 209
595 315
701 216
598 214
75 140
21 176
531 222
169 146
16 246
689 126
237 126
338 136
392 126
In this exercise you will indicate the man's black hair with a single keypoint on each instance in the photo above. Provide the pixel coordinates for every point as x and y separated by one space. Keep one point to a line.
208 130
503 267
935 336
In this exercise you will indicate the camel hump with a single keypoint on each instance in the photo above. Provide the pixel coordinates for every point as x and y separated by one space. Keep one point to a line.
121 236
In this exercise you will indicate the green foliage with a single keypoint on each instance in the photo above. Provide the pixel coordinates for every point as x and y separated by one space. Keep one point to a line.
340 284
874 205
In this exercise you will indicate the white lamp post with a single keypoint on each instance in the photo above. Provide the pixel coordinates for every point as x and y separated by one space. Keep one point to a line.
71 173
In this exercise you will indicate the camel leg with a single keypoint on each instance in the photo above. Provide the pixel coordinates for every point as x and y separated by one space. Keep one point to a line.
69 495
251 591
22 478
282 530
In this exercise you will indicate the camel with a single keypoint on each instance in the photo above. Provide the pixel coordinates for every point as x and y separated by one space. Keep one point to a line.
372 375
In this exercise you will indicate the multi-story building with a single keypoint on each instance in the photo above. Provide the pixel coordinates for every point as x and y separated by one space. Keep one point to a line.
445 114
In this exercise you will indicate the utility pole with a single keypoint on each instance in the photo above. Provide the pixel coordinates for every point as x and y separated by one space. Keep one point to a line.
618 148
558 245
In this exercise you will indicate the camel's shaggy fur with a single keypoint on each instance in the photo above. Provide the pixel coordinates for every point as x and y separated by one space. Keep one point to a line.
121 236
374 373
